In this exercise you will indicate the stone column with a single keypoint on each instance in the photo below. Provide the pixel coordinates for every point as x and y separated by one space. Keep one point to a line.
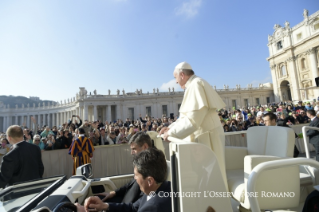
154 110
17 120
39 120
28 121
49 121
170 108
58 119
8 121
78 111
53 119
294 84
45 119
124 112
159 111
118 111
85 112
275 85
108 116
95 113
4 124
314 70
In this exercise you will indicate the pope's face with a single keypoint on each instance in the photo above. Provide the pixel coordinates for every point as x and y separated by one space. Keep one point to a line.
180 79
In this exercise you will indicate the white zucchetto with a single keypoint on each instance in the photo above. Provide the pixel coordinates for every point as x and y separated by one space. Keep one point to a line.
183 65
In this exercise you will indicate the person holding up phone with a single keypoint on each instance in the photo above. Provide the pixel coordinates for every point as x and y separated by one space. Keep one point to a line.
75 121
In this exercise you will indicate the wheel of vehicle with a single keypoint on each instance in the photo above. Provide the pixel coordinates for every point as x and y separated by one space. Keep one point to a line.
65 207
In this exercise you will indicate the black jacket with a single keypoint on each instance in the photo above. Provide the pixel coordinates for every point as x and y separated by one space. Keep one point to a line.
129 193
158 203
313 134
22 163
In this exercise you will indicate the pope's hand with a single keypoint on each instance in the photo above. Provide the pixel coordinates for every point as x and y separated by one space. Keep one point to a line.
165 136
163 130
95 204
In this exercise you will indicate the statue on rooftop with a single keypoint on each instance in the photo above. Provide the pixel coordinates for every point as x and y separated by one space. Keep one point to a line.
305 13
287 25
94 92
109 92
118 92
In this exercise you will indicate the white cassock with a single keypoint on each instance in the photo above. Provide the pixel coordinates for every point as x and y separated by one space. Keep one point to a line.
199 121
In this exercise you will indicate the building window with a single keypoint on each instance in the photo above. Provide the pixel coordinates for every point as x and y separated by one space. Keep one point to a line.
299 36
130 113
257 101
246 103
303 63
268 100
279 45
164 110
316 26
149 111
234 104
283 71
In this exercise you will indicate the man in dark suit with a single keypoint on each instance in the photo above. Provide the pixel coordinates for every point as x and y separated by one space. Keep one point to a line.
23 162
150 170
130 192
313 134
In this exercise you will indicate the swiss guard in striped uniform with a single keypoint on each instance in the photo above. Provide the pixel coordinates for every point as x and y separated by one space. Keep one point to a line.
81 150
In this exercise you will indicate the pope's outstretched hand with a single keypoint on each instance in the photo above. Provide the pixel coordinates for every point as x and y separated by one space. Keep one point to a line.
164 131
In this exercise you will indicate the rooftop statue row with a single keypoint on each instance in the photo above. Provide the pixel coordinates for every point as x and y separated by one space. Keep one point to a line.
83 95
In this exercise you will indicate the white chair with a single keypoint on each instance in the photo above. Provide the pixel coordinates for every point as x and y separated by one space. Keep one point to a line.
264 144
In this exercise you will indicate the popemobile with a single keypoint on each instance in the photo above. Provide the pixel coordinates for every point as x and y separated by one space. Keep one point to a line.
262 176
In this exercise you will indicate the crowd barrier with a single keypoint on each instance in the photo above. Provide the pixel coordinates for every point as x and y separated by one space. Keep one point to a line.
110 160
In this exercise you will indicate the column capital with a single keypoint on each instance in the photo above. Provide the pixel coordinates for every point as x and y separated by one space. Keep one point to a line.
272 67
292 58
311 51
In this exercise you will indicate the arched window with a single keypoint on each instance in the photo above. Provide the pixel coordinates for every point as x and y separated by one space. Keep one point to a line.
316 26
303 63
283 71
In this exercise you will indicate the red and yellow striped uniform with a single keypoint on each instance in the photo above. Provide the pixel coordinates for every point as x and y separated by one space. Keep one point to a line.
81 150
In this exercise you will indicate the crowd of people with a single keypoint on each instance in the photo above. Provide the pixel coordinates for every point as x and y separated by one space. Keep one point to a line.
117 132
107 133
287 114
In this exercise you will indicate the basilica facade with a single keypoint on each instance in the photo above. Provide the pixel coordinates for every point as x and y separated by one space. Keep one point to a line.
293 59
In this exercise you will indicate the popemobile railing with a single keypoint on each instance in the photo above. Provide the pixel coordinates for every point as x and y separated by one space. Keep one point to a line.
305 138
260 168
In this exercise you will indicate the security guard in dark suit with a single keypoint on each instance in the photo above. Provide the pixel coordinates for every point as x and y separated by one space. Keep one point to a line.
314 134
23 162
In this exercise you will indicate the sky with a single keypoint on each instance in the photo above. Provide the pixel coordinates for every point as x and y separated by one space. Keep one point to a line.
51 48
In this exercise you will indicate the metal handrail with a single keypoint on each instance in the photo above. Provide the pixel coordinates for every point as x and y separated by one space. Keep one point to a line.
257 171
305 138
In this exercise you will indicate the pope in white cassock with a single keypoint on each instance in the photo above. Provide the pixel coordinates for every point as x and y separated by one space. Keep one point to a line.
198 121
